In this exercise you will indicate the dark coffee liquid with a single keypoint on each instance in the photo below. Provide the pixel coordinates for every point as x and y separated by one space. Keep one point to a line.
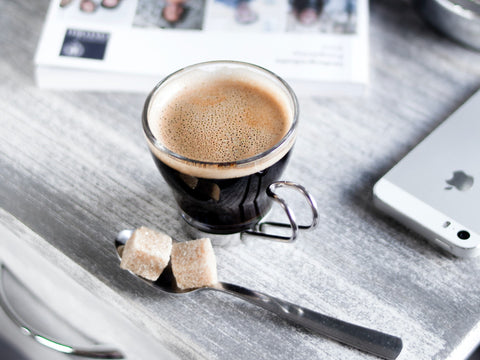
216 121
223 206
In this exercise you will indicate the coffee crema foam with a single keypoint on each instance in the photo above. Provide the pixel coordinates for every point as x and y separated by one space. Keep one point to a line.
222 117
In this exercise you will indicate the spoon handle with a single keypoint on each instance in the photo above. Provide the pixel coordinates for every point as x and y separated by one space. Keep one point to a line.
361 338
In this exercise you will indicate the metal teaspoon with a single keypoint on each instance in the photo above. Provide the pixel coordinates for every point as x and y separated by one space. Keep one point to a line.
364 339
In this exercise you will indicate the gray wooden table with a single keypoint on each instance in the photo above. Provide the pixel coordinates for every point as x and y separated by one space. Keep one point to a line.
74 168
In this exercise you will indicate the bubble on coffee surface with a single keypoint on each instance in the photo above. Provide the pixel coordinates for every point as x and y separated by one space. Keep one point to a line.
222 117
222 122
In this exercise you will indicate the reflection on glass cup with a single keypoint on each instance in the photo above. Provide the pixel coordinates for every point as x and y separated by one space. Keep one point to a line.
221 133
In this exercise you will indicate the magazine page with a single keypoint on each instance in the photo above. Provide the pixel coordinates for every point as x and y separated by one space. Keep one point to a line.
319 47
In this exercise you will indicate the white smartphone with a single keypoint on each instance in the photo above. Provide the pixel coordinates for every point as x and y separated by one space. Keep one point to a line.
435 188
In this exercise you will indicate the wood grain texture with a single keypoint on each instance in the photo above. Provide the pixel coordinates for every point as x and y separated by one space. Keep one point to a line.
75 169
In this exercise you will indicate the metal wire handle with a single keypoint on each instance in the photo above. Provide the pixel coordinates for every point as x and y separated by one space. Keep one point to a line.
259 230
95 351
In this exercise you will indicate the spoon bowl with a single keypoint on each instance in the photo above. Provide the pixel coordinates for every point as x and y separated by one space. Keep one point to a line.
371 341
166 282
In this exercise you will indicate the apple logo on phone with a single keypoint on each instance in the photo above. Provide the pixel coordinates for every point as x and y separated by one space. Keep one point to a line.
460 180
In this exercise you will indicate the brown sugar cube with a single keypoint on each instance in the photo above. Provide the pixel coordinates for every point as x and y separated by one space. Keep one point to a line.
147 253
194 264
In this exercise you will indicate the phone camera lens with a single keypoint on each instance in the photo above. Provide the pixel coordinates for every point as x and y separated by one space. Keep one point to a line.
463 234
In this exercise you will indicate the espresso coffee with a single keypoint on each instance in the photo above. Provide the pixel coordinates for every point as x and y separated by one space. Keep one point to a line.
220 139
223 120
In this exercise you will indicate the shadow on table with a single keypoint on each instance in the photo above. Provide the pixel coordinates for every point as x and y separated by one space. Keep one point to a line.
10 352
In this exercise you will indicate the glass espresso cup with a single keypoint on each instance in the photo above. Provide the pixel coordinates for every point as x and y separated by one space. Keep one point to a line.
221 134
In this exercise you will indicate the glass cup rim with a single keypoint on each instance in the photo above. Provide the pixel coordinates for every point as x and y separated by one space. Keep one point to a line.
160 147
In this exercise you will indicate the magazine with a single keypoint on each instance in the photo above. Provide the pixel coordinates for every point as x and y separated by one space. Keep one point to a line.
319 46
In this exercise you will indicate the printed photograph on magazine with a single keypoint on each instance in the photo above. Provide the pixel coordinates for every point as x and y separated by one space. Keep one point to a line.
320 47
